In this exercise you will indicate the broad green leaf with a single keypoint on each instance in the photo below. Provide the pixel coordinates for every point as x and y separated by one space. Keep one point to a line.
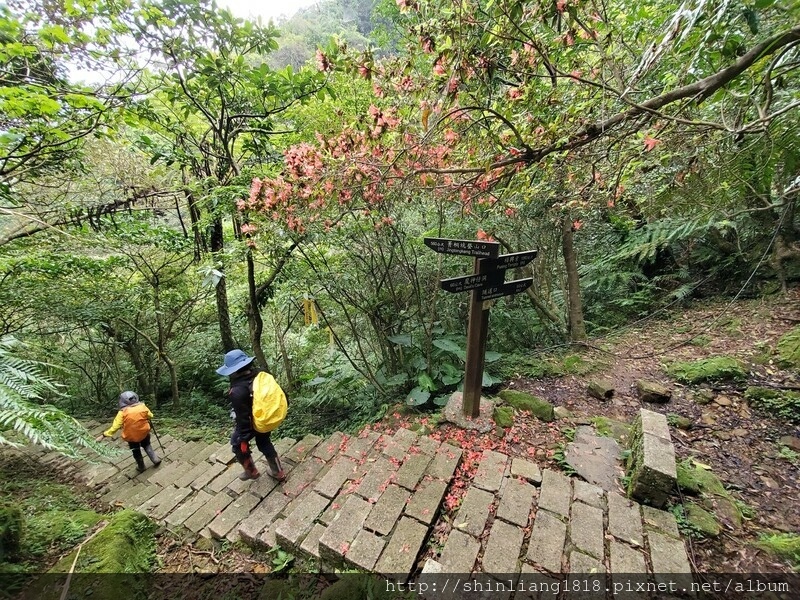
489 381
417 397
492 356
403 339
425 382
441 400
399 379
447 345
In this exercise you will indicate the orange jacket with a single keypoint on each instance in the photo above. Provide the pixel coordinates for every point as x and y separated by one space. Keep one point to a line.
134 421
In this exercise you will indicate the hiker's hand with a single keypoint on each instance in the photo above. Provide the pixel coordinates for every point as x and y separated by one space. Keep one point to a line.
100 438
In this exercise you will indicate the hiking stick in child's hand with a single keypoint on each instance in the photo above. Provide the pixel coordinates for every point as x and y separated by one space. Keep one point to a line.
155 433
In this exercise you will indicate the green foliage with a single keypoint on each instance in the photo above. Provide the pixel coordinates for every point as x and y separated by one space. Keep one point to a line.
719 368
789 349
10 532
54 518
46 116
785 546
125 545
338 399
23 391
437 370
778 404
789 455
685 525
560 458
281 560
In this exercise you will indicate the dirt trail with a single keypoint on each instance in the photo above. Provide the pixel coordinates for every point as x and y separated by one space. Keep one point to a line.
739 444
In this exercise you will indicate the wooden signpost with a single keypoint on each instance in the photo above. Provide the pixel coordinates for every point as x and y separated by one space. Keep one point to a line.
486 283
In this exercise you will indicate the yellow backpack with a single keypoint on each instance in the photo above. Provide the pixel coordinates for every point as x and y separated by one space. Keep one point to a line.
269 403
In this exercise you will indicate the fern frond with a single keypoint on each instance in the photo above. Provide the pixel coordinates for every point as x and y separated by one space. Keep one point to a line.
22 388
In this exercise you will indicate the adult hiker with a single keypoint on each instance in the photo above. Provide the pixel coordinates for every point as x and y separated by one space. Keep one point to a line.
239 368
133 418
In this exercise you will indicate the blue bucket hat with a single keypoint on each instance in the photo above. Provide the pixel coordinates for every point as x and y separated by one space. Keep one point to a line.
234 360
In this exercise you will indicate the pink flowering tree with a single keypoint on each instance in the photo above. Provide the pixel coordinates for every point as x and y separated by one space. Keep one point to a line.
498 114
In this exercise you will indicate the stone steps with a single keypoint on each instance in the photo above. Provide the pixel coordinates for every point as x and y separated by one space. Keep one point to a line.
371 502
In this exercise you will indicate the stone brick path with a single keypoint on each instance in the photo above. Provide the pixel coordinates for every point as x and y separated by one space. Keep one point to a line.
371 502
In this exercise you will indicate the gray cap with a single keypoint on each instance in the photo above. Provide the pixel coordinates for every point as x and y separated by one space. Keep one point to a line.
128 399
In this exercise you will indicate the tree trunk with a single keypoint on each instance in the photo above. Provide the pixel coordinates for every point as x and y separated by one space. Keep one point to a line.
145 388
577 330
161 345
194 218
221 292
287 362
254 319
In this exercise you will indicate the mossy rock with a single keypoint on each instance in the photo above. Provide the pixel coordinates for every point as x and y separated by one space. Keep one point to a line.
611 428
359 585
703 397
679 421
701 520
702 482
503 416
542 409
779 404
695 480
725 510
124 547
10 532
719 368
789 349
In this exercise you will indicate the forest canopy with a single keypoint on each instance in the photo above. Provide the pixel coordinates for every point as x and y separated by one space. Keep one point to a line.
176 182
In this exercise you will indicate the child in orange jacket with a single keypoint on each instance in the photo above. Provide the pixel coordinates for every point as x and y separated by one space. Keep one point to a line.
134 419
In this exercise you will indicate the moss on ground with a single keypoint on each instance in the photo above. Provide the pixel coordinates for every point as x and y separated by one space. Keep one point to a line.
106 563
696 480
542 409
701 520
693 479
718 368
548 366
783 545
10 532
55 517
778 404
789 349
125 545
503 416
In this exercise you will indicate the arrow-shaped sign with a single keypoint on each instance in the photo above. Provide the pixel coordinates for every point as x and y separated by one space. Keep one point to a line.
510 261
471 282
506 289
463 247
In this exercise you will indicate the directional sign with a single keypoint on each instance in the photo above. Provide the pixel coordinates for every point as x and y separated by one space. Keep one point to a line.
463 247
510 261
506 289
471 282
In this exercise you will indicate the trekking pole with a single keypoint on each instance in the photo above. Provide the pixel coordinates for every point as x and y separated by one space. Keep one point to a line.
155 433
